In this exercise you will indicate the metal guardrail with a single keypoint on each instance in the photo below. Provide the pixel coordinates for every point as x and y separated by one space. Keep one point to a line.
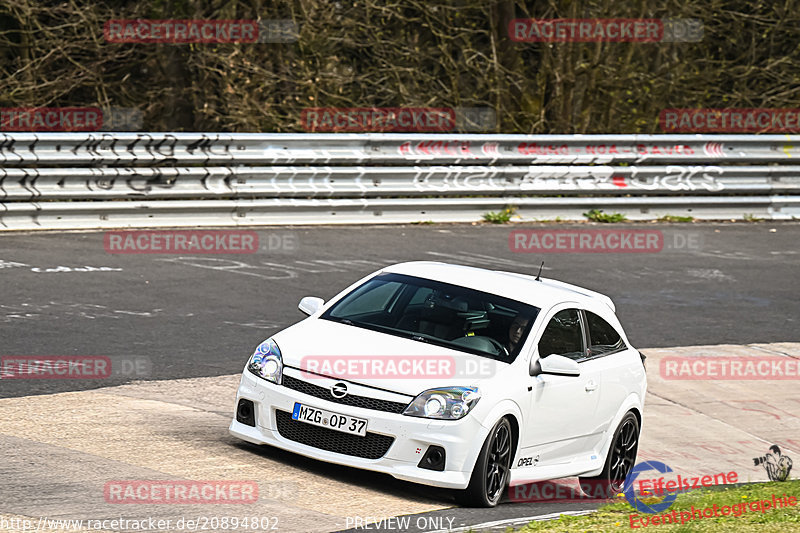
29 149
19 184
105 180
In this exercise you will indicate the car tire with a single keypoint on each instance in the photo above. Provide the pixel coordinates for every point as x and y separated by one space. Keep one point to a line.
619 461
492 469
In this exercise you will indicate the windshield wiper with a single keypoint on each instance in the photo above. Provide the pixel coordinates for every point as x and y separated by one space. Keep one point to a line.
418 338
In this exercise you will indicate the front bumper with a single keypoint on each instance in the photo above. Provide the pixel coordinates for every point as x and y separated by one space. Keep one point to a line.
461 439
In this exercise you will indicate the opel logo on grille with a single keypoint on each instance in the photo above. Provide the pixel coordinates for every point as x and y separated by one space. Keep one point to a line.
339 390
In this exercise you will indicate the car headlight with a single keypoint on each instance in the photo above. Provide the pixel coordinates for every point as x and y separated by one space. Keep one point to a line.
266 362
448 403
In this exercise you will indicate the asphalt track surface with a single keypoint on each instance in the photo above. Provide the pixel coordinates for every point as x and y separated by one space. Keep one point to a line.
200 316
60 450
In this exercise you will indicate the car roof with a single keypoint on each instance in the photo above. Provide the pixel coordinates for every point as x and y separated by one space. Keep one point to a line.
543 294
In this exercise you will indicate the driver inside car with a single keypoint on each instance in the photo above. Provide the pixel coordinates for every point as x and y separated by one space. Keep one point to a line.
515 332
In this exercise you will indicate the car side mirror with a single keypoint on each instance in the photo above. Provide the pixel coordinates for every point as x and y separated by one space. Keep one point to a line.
310 304
556 365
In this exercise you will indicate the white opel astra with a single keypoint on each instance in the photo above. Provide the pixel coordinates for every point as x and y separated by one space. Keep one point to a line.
455 377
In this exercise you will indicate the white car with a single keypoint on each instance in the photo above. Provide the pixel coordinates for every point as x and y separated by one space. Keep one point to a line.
455 377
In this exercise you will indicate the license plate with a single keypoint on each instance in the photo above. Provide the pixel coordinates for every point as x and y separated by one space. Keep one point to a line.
327 419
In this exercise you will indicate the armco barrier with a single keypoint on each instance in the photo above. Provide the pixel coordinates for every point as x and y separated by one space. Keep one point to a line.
113 180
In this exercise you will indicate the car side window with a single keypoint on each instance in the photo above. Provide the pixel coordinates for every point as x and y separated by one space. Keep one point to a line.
603 338
563 336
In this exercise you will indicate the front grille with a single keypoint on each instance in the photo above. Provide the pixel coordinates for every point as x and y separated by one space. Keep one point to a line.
351 400
372 446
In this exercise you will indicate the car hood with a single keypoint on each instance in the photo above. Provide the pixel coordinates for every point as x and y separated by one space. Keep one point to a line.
375 359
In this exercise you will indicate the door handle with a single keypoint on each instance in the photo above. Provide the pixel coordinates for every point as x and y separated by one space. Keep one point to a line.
590 386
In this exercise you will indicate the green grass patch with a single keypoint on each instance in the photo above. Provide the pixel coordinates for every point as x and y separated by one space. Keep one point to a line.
675 218
597 215
501 217
616 516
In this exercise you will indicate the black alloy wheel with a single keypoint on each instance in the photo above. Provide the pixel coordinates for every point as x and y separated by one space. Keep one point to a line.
619 461
492 469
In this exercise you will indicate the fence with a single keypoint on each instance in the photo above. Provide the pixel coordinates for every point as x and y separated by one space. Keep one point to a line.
113 180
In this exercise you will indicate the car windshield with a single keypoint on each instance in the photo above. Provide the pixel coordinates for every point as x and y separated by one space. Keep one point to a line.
438 313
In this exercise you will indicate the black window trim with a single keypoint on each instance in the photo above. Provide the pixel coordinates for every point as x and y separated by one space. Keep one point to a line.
584 333
588 340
